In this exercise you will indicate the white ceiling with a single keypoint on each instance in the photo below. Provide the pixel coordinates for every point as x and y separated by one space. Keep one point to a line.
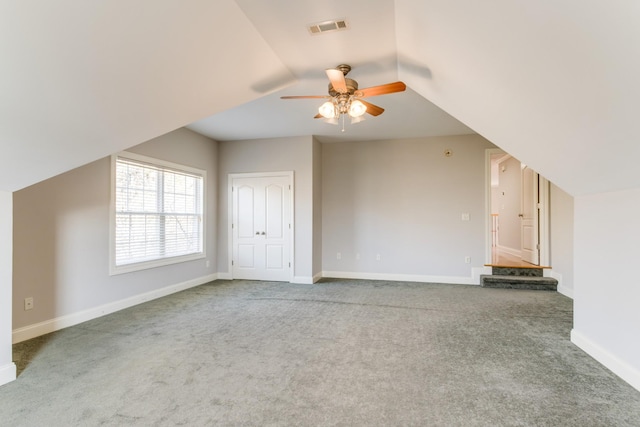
368 45
553 82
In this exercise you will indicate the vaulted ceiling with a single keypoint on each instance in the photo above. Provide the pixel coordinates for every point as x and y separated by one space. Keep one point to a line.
553 82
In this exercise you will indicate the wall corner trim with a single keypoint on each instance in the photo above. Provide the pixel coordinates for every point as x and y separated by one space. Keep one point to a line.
52 325
621 368
8 373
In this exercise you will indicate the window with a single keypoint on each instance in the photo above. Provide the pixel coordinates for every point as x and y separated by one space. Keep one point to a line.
157 213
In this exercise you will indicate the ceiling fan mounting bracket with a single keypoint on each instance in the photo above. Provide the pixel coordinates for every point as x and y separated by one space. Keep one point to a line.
344 68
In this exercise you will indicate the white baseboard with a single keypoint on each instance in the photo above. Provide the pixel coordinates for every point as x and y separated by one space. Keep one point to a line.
564 290
317 277
7 373
615 365
225 276
303 280
37 329
461 280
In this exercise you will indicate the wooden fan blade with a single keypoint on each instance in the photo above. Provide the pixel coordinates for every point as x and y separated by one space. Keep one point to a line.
382 89
372 109
305 97
336 77
318 116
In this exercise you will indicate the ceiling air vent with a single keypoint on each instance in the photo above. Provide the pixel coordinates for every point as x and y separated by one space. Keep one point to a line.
328 26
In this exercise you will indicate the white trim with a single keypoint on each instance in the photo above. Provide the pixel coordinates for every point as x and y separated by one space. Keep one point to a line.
621 368
487 201
303 280
8 373
52 325
317 277
544 221
458 280
230 178
225 276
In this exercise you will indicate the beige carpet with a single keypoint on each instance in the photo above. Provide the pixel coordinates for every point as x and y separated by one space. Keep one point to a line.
338 353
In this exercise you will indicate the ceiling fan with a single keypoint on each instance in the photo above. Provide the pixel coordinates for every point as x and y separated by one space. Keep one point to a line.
345 99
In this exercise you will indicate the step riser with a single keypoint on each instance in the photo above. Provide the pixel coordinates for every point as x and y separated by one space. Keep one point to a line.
527 286
515 271
519 282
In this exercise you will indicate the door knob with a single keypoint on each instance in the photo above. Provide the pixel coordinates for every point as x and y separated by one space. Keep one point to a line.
257 233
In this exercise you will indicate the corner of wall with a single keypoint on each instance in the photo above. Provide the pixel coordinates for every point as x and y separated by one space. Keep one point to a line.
7 373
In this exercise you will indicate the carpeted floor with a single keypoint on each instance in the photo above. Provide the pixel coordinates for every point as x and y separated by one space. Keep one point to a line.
337 353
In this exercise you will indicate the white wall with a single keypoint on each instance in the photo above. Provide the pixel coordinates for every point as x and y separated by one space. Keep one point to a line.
271 155
7 367
561 238
61 241
403 200
607 285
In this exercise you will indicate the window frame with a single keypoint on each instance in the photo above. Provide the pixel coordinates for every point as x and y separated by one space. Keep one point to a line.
159 262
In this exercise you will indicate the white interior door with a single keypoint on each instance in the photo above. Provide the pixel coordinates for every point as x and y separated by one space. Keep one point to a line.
529 216
261 227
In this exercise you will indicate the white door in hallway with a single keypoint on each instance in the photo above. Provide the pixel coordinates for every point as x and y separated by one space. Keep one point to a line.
261 227
529 216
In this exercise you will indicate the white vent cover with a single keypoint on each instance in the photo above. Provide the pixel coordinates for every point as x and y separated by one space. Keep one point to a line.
328 26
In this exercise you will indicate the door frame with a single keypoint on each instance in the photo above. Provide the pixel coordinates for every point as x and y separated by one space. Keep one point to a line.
543 227
230 179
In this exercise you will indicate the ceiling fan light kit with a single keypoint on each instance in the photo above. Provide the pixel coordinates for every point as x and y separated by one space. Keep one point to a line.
345 97
338 106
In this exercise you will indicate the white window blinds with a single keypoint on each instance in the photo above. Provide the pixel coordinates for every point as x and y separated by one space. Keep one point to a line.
158 212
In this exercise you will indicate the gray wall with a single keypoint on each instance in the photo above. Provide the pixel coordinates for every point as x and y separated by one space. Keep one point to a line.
403 199
606 292
561 244
61 236
271 155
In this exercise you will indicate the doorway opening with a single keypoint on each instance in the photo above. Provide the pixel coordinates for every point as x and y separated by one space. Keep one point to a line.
517 213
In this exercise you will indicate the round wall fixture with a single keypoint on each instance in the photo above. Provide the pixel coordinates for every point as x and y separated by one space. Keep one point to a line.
448 152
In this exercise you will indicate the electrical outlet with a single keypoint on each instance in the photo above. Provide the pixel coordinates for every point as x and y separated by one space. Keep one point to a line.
467 260
208 263
465 216
378 257
28 303
338 255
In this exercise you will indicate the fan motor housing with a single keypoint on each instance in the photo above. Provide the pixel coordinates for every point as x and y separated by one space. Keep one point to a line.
352 86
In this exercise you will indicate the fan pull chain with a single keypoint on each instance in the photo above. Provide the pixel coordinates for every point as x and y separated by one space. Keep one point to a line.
343 121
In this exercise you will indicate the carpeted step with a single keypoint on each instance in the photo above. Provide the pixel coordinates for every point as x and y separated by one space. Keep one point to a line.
518 282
